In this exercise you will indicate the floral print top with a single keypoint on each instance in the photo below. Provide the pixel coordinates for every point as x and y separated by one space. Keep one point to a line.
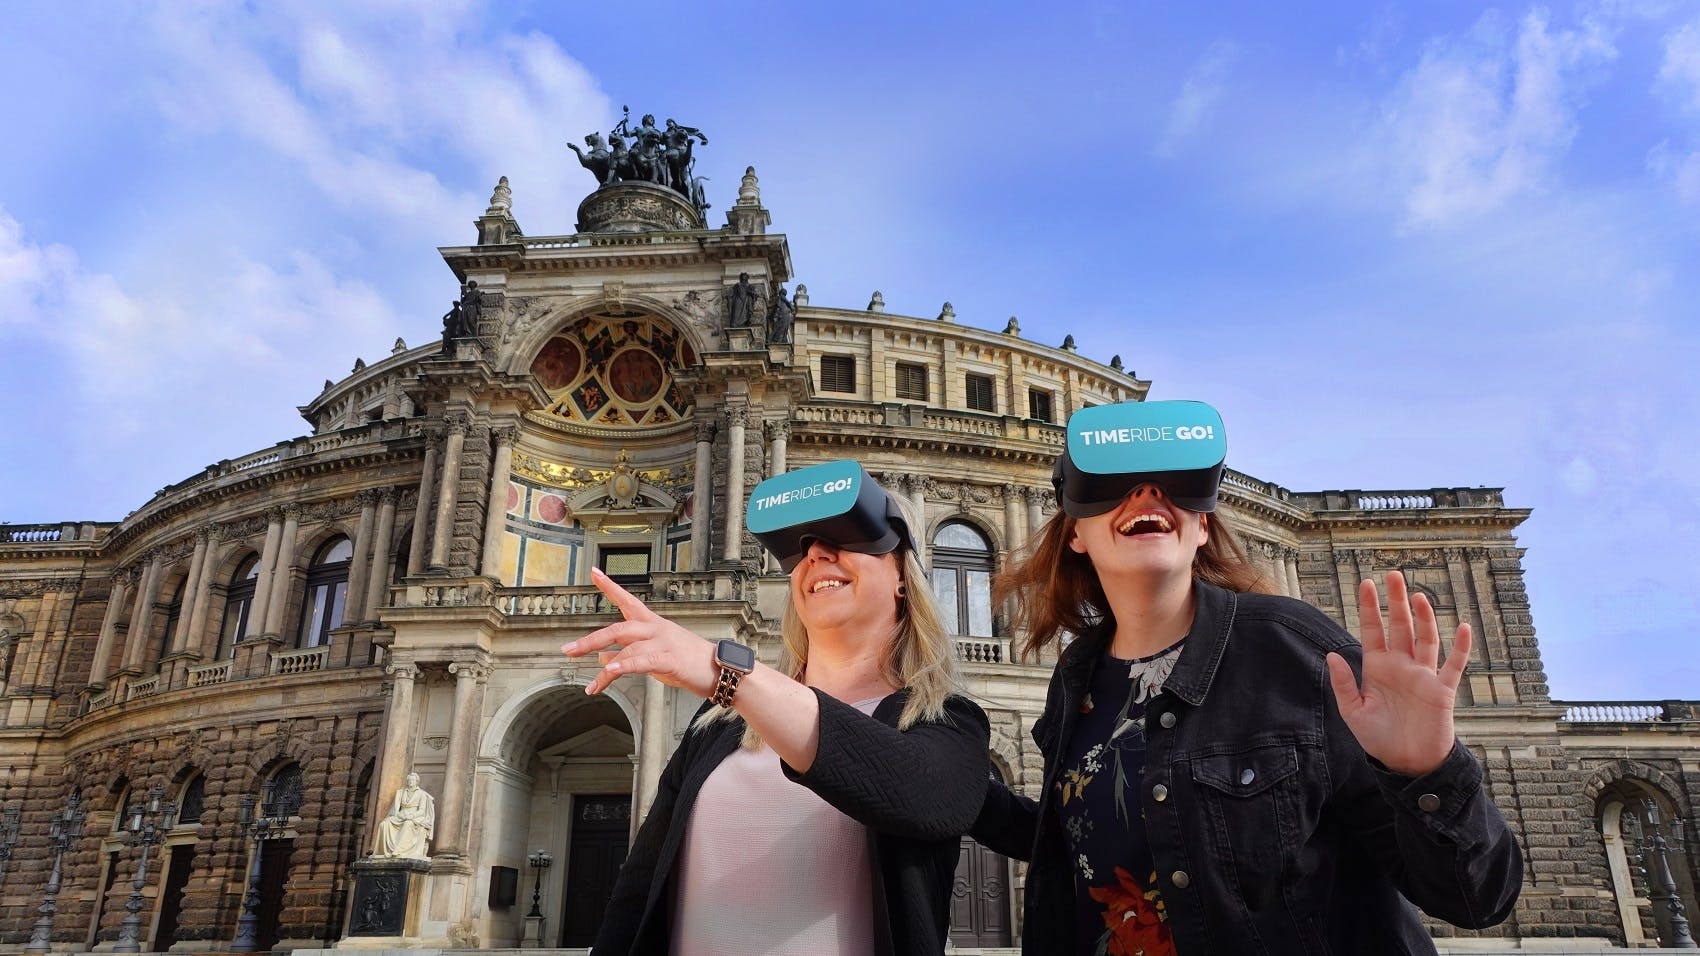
1118 909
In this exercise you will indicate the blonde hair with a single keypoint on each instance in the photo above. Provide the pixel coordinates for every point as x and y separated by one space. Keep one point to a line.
920 657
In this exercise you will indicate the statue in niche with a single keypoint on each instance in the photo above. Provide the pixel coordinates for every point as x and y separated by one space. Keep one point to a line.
741 303
405 833
779 322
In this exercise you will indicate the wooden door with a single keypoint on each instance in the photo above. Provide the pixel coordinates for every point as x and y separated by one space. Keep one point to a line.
598 847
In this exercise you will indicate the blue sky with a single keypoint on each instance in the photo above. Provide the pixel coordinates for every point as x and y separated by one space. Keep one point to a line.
1400 246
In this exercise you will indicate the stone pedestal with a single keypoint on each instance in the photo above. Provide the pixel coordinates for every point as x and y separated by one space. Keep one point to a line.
744 339
533 933
384 911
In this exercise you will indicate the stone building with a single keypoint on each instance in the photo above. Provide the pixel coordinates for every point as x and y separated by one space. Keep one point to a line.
274 642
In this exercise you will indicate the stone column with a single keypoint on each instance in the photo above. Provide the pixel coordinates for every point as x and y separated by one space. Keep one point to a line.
653 751
1293 573
1035 510
354 606
192 586
427 489
135 641
496 512
201 592
109 625
733 550
702 495
378 582
256 624
779 433
1013 535
447 486
398 739
916 490
1492 636
278 602
463 744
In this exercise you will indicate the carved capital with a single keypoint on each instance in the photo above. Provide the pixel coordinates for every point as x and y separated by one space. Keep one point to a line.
706 431
471 670
737 415
402 670
779 430
366 497
505 435
457 421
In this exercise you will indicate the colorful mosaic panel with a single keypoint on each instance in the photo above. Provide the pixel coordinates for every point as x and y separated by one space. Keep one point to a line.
615 370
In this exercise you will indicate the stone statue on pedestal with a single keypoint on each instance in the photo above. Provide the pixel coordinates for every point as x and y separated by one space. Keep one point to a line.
406 832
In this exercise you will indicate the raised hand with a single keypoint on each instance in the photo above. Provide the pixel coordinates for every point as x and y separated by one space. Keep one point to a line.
649 644
1402 714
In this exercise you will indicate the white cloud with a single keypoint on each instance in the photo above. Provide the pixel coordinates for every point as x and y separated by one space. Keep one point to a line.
366 100
1680 69
1483 119
1200 91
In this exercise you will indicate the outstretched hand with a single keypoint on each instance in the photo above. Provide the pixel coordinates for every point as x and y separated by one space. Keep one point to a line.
1402 714
649 644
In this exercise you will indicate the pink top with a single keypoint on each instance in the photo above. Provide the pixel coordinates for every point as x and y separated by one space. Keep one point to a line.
771 868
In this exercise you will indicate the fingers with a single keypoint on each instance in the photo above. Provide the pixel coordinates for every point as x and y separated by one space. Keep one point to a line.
1345 686
1453 670
629 605
623 633
1399 622
1370 627
1425 639
658 664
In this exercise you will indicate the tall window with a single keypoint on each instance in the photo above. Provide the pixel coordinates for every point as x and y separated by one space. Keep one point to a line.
238 601
962 579
327 590
193 802
626 564
912 381
980 396
837 373
1039 405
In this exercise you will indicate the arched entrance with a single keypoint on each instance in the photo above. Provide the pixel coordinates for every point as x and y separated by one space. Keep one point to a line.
980 906
564 787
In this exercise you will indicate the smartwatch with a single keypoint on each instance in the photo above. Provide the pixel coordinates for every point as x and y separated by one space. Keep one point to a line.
734 660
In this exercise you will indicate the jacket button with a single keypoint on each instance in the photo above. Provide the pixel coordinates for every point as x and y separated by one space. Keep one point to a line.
1428 803
1159 793
1167 720
1247 776
1180 879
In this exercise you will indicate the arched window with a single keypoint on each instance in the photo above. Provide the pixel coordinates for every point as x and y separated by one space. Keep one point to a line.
327 590
192 802
238 601
962 579
283 794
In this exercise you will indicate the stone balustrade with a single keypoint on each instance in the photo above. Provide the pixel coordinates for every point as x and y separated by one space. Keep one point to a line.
145 687
302 661
202 675
983 650
1629 711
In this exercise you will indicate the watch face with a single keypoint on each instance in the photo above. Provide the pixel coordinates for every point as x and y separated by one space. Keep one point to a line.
736 656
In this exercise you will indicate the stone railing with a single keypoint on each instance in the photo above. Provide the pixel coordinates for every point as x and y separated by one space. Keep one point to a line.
521 602
201 675
303 661
1628 711
97 701
983 650
1416 499
145 687
30 533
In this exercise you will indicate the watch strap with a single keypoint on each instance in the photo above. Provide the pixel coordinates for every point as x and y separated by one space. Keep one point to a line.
726 687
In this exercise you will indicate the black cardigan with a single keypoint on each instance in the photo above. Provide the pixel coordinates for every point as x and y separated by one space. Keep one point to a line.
917 791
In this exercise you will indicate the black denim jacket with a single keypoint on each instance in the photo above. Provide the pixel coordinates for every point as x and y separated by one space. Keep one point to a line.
1272 831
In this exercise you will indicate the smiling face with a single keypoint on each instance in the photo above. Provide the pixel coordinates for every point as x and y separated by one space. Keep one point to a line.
1144 535
839 590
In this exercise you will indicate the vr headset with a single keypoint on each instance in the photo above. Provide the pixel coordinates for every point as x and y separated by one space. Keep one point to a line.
836 502
1112 449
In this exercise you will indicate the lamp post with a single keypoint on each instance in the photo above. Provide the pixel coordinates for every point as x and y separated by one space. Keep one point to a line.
65 827
147 824
540 861
260 827
1655 868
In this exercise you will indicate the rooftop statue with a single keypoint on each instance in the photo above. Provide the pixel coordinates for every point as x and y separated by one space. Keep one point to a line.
646 153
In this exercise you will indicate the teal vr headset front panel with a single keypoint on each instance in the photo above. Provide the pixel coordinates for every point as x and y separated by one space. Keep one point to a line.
1134 437
1112 449
804 496
836 502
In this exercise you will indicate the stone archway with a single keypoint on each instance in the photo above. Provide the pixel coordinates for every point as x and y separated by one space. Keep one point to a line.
558 773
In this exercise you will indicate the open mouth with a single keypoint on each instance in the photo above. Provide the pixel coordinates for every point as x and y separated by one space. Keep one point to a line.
826 584
1149 522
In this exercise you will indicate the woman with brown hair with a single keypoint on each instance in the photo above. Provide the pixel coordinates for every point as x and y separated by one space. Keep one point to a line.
1225 770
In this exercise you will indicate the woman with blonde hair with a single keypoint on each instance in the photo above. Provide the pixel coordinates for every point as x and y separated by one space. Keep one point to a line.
816 806
1225 770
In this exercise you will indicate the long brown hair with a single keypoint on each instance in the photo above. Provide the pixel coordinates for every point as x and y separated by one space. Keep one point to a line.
1055 588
